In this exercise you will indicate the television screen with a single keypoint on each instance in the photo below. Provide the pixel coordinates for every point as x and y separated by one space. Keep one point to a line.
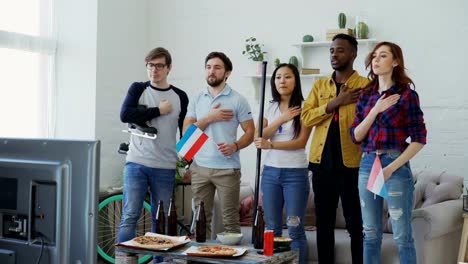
49 198
8 192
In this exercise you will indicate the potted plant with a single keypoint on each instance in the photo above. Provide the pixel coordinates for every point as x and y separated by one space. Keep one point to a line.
254 52
277 62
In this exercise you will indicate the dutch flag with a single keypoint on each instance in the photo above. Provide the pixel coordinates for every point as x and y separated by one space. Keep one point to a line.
191 142
376 183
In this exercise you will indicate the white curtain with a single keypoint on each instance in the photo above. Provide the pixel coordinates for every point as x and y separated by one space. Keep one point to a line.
28 45
35 44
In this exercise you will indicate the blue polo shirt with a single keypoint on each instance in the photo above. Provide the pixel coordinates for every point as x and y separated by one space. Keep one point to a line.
219 132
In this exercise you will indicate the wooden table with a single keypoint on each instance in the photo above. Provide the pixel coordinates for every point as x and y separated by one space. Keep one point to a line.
251 257
462 253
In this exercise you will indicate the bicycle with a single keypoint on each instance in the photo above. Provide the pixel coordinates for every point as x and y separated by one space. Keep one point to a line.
110 207
110 214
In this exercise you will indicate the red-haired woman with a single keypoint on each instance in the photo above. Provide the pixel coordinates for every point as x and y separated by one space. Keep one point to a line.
390 127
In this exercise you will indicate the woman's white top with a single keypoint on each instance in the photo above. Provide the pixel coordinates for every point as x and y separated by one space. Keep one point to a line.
283 158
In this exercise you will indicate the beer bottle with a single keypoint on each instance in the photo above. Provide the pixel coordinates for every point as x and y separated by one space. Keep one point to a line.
259 228
160 219
172 220
200 230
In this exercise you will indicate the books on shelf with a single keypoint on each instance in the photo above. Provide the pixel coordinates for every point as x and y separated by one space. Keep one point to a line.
332 32
310 71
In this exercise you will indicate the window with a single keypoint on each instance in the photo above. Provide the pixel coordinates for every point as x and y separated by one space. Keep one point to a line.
27 52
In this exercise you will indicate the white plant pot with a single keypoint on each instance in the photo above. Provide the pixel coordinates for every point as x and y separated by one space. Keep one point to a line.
258 67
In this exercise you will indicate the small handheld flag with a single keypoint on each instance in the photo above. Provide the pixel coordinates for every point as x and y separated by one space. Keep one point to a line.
376 183
191 142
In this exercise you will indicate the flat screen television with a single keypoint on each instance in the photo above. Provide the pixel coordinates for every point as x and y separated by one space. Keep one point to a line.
48 200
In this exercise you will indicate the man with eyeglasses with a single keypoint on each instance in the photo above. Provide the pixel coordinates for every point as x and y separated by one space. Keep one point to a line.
151 162
219 110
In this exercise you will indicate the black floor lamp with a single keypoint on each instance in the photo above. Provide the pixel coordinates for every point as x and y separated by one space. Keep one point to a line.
259 151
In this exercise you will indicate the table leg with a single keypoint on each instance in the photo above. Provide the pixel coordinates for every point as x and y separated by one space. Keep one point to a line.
462 252
125 258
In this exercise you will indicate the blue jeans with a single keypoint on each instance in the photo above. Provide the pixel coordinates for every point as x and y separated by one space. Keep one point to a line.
400 187
289 187
137 179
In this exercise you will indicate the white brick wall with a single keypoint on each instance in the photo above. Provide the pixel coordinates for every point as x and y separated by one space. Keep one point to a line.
436 59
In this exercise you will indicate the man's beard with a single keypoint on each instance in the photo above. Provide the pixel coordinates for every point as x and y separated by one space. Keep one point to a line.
342 66
214 82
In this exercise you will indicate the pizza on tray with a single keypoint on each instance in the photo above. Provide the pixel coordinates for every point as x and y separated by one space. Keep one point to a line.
153 242
213 251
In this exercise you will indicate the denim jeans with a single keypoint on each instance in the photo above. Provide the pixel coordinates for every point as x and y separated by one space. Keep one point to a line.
330 185
400 187
289 187
137 179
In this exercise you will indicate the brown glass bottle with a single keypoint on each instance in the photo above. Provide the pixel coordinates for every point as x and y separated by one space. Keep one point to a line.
259 229
200 230
172 220
160 219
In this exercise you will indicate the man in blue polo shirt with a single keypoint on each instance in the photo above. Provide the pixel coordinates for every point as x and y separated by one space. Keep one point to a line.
219 110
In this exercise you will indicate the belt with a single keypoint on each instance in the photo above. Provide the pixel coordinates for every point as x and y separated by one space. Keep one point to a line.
383 151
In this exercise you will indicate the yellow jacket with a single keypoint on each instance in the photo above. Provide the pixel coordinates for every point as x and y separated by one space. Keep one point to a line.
314 114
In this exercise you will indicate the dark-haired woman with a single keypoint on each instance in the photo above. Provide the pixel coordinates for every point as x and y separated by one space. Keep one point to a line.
390 126
285 175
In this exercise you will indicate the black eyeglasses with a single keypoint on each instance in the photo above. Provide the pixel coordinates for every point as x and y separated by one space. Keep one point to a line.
158 66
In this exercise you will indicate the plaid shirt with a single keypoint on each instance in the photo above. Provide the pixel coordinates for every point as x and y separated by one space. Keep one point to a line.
392 127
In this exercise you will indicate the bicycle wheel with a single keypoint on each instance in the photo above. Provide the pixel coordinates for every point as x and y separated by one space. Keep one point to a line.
110 213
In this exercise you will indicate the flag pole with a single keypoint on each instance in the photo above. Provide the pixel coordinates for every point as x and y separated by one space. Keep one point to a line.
259 151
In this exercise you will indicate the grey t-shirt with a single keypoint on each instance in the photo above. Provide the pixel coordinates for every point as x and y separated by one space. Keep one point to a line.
159 152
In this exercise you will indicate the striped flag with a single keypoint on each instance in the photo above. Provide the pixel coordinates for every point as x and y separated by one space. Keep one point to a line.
376 183
191 142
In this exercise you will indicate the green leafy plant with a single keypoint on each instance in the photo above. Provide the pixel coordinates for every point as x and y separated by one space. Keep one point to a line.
181 167
253 50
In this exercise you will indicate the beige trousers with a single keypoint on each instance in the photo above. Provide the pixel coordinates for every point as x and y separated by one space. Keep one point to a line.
205 182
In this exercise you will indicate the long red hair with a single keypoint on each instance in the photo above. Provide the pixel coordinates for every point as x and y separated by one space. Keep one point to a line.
399 75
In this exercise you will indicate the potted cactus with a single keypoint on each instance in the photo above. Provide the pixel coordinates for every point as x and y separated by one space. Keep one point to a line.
294 61
361 31
341 27
277 62
341 20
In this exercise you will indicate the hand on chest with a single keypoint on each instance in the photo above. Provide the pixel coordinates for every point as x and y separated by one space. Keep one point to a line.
152 98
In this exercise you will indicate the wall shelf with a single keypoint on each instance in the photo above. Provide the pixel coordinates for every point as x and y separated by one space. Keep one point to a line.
326 43
316 54
303 76
306 56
